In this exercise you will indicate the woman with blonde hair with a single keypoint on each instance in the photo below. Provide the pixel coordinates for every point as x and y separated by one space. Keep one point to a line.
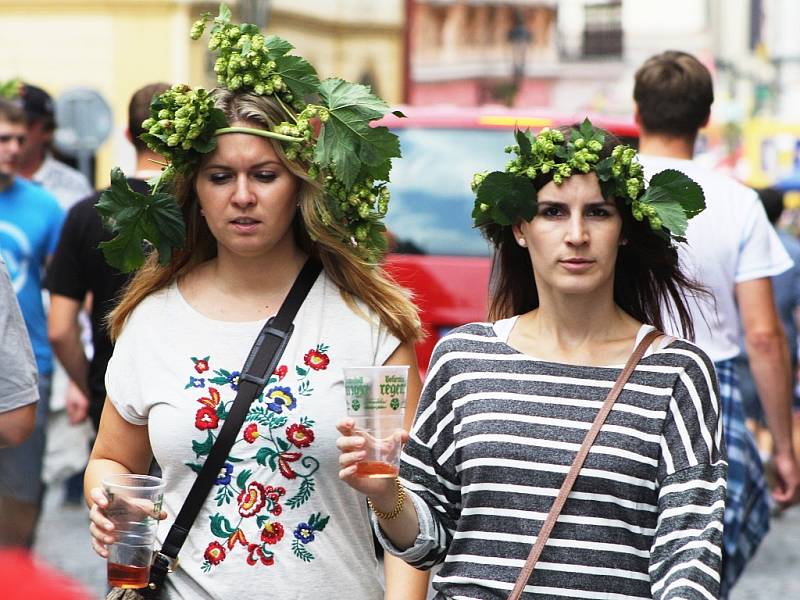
264 183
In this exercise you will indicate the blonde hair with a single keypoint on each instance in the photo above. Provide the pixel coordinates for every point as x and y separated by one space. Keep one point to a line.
356 278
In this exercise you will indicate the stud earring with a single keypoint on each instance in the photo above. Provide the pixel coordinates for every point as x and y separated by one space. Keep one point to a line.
522 242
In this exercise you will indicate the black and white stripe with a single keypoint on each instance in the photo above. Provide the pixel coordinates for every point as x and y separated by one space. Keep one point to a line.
494 437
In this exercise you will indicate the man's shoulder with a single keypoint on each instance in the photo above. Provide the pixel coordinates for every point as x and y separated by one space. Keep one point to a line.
54 167
32 192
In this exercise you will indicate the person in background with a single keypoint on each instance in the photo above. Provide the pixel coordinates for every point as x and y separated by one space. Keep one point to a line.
79 270
733 251
18 375
30 223
37 162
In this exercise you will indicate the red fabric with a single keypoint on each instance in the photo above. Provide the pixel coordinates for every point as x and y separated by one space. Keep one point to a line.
25 577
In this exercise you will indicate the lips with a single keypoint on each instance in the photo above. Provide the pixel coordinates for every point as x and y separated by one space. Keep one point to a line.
576 265
244 221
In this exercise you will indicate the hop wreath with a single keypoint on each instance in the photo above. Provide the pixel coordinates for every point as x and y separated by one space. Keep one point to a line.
331 135
508 197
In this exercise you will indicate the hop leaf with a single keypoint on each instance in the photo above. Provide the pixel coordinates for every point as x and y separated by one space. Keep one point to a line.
511 199
136 219
675 198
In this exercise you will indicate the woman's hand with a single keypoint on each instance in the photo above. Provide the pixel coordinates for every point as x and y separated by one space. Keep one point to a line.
352 448
102 528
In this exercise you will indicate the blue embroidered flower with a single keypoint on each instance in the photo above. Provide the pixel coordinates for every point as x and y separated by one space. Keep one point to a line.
195 382
280 397
304 533
233 379
225 474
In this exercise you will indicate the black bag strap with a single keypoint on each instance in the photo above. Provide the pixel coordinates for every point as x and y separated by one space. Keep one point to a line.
260 363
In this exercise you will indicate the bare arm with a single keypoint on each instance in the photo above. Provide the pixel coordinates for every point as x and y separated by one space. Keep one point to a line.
768 352
120 447
64 333
17 424
404 582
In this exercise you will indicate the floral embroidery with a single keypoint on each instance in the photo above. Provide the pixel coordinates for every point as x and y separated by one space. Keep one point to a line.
200 364
251 433
206 418
316 360
271 455
281 397
215 553
305 533
195 382
300 435
252 499
225 474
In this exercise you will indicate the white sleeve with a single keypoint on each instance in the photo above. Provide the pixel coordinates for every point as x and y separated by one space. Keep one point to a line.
761 253
123 376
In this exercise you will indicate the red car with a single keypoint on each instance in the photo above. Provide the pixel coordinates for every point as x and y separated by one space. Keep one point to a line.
435 252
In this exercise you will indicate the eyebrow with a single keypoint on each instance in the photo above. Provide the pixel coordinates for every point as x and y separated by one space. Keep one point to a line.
255 166
564 204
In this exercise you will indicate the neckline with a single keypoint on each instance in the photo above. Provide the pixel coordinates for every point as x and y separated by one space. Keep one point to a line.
502 329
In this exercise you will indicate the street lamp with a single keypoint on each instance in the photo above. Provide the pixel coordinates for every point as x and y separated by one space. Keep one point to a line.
519 38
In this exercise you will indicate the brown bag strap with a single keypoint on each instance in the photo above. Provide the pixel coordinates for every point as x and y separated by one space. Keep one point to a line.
580 457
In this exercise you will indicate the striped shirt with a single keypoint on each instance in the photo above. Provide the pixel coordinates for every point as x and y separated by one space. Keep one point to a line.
497 430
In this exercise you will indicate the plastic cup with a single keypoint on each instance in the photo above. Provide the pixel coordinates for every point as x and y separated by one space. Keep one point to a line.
134 503
376 401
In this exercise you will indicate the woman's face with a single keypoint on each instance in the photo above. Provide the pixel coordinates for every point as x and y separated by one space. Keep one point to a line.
247 196
573 238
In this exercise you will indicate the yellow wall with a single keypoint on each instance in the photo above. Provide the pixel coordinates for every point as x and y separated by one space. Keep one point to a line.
116 46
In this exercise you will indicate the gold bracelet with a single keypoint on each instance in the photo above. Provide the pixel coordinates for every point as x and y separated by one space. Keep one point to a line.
398 505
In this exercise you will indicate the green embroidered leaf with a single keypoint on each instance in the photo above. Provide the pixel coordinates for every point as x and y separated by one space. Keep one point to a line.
241 480
222 412
283 445
323 348
509 199
136 219
300 371
300 551
218 380
194 467
221 527
276 422
321 522
203 448
303 493
298 74
263 454
260 520
223 372
233 459
347 133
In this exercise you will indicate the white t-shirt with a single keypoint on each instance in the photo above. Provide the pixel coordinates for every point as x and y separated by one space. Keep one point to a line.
731 241
68 185
279 523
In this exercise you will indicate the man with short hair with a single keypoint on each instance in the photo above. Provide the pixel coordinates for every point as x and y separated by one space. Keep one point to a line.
78 268
733 251
36 160
30 222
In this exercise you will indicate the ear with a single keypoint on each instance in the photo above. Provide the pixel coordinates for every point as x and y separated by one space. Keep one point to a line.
128 135
637 117
518 235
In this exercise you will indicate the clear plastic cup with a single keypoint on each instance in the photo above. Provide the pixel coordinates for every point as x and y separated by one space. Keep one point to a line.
134 503
376 401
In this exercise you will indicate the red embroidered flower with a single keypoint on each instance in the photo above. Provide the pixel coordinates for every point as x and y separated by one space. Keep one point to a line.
281 372
272 533
256 553
284 458
274 496
251 433
201 366
215 553
206 418
300 435
211 402
316 360
252 499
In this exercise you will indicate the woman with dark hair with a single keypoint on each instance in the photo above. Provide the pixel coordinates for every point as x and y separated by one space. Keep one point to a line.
584 260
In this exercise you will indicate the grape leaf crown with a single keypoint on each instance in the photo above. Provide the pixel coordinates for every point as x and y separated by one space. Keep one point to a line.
332 136
508 197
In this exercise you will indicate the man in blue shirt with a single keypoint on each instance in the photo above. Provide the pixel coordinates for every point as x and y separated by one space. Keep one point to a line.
30 222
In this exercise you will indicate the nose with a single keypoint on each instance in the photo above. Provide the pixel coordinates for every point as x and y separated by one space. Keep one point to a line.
577 233
243 194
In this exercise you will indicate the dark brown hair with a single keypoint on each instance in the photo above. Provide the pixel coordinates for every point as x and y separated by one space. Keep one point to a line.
139 110
647 274
674 93
11 112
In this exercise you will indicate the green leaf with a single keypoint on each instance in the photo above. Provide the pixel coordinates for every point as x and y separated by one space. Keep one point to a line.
233 459
203 448
300 371
277 46
225 14
510 199
221 527
298 74
136 219
524 143
321 523
263 454
241 480
194 467
676 198
303 493
283 445
346 142
300 551
603 169
260 520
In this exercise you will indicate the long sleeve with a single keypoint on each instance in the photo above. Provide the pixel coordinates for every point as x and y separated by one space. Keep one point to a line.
686 553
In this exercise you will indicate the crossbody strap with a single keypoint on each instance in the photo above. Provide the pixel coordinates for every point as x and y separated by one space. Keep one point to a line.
261 362
575 469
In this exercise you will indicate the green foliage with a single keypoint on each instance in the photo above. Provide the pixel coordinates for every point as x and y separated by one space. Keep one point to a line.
137 219
303 493
221 527
10 89
203 448
505 199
